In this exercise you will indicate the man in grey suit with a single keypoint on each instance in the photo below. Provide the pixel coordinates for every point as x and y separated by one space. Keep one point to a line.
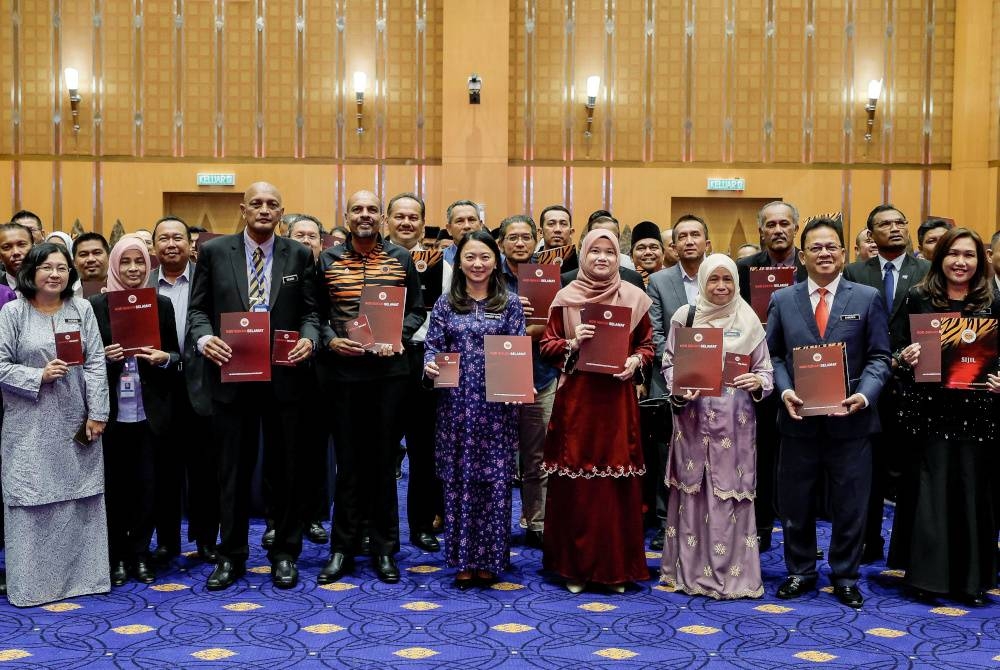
670 289
892 272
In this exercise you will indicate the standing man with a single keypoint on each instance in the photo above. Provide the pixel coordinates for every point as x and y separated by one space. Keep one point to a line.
462 216
15 243
405 222
371 386
90 256
669 290
557 231
256 271
864 246
173 280
647 249
892 272
836 446
777 224
32 222
928 234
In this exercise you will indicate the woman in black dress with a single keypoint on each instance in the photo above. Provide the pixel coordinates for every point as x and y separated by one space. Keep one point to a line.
944 535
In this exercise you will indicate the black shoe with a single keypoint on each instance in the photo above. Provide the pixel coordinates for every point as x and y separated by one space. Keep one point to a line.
533 538
143 572
464 583
849 595
164 554
795 586
763 541
975 600
338 566
873 552
3 583
425 541
284 574
819 554
386 569
207 553
656 544
316 534
366 546
119 573
267 539
225 573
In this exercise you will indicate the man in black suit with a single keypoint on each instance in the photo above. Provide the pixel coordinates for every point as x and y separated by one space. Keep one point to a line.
777 223
892 272
256 271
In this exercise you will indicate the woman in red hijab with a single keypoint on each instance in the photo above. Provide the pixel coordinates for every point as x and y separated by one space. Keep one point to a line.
593 454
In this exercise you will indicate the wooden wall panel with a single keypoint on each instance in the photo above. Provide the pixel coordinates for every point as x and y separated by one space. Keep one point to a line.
826 83
239 80
707 86
669 82
589 59
320 69
7 194
909 85
401 70
870 63
995 86
199 89
280 79
120 85
8 86
359 36
76 44
433 85
943 79
159 79
627 111
745 97
549 86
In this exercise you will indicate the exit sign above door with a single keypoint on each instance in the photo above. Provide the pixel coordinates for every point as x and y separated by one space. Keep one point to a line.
731 184
216 179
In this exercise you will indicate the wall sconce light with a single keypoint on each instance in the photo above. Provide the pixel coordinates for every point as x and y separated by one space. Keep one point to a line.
874 90
360 82
72 78
475 86
593 86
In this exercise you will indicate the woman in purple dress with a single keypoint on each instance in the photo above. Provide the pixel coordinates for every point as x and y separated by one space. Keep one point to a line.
476 441
710 545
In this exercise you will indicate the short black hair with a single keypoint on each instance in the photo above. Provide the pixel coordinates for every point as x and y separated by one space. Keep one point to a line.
878 210
292 219
687 217
197 229
409 196
187 229
90 237
995 239
26 275
517 218
929 225
10 225
558 208
821 222
340 229
27 214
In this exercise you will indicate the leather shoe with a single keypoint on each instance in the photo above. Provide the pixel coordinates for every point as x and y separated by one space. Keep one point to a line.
267 539
656 544
386 569
119 573
425 541
338 566
207 553
533 538
849 595
975 599
143 572
316 534
795 586
164 554
284 574
225 573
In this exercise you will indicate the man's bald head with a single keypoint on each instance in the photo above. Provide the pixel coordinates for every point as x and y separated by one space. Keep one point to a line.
262 210
364 214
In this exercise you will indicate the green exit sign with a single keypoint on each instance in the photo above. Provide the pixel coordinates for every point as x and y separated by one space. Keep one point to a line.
216 179
731 184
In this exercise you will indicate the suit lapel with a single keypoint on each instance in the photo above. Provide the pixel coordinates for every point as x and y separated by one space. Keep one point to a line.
238 257
806 309
906 280
678 284
840 301
278 261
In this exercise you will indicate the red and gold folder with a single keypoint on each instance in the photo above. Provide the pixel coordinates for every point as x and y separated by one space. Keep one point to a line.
360 331
697 361
968 352
384 306
69 347
448 367
764 282
925 329
284 342
248 334
508 369
607 350
733 366
539 283
135 319
820 378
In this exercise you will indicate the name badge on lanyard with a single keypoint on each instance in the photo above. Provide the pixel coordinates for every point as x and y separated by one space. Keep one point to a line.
259 307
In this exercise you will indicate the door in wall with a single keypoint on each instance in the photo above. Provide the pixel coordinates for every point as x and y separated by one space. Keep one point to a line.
215 212
732 222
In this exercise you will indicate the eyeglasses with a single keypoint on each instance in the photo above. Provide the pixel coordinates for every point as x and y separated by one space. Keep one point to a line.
58 269
891 223
519 238
817 249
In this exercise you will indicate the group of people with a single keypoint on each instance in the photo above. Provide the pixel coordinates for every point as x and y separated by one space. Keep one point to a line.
101 445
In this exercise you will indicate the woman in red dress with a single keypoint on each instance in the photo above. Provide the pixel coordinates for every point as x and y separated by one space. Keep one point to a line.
593 454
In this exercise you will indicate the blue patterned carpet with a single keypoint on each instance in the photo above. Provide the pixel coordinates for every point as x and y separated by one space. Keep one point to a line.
522 622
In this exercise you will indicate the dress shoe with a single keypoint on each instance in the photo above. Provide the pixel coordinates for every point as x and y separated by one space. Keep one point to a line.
975 599
143 572
338 566
3 583
207 553
119 573
164 554
849 595
225 573
316 534
284 574
425 541
795 586
486 578
763 541
656 544
533 538
267 539
464 581
386 569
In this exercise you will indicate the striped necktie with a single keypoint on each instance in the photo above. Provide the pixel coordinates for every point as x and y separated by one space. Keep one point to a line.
256 292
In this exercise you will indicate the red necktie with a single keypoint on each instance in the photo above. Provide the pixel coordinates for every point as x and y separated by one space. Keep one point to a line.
822 312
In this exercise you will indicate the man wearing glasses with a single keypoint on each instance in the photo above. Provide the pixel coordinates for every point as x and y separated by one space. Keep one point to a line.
32 222
892 273
826 309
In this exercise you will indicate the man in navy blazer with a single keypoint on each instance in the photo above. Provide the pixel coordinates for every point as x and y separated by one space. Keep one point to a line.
836 446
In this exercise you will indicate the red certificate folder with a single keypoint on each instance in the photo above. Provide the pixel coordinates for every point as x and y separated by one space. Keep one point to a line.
764 282
284 342
508 369
697 361
968 352
607 350
135 319
384 306
448 366
539 284
925 329
248 334
69 347
734 366
360 331
556 255
820 378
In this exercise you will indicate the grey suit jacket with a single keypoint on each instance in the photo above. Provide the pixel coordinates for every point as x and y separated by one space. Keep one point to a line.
869 273
666 288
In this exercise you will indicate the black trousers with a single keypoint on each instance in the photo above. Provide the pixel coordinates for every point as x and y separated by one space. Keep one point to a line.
366 442
847 466
238 427
424 498
656 426
129 488
888 455
767 456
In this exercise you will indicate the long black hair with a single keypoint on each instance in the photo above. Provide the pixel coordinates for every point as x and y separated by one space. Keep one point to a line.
35 257
935 285
496 292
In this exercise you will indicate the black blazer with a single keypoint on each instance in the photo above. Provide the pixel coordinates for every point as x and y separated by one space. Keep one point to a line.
157 383
869 272
762 260
631 276
220 285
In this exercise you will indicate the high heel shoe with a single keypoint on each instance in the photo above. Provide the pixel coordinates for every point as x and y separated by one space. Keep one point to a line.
575 587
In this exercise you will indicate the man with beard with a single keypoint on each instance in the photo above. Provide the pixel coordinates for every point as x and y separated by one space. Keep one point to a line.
647 249
892 272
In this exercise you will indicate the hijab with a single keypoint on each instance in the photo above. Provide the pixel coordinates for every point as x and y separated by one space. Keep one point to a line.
739 323
587 289
125 243
62 236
